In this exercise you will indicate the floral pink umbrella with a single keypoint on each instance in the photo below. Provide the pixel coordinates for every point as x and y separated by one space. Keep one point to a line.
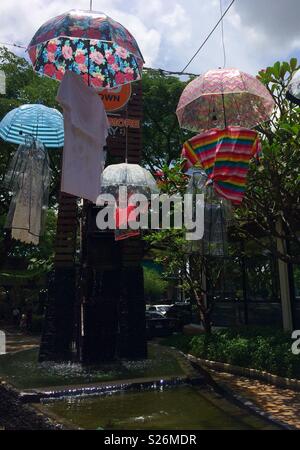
90 44
224 97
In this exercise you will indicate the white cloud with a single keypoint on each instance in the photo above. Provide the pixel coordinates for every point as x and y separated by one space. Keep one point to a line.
257 32
22 18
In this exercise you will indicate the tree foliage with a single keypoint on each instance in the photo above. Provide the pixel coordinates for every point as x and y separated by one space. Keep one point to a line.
273 192
155 286
272 198
162 136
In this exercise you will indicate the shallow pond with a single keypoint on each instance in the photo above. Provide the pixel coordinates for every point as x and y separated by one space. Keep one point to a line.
183 408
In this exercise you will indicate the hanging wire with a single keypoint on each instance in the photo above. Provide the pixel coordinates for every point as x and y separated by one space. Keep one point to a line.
223 39
208 37
13 45
165 72
162 71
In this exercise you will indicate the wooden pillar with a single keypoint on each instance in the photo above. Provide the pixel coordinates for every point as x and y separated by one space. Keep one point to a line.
132 336
114 309
58 328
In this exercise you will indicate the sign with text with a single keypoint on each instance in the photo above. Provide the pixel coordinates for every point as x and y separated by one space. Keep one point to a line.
124 123
117 98
119 125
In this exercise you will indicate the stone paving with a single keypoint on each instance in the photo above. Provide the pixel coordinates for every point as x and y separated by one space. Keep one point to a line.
17 341
282 404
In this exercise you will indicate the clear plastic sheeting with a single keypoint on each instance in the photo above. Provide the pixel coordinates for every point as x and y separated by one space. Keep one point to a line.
28 180
217 217
216 221
197 182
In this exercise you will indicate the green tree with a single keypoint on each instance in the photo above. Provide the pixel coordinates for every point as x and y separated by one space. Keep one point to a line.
197 274
271 206
155 286
162 136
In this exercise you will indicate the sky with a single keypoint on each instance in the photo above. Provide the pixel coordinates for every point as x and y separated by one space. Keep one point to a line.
257 32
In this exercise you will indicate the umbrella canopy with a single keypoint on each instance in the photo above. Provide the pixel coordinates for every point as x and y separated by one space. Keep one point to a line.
293 93
88 43
224 97
40 122
135 177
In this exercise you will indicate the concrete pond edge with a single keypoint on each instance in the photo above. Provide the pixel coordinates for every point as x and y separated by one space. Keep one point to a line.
275 380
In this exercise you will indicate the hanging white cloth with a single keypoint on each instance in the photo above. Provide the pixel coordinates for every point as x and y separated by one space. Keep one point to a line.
28 179
86 130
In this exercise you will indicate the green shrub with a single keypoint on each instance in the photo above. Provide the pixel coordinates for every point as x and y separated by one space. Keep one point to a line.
199 346
261 348
237 352
180 341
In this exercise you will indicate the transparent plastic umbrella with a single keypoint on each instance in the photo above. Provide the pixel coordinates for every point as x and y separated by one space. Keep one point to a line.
293 93
134 177
136 180
224 97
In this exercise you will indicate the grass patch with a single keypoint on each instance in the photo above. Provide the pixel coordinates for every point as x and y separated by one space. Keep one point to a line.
23 370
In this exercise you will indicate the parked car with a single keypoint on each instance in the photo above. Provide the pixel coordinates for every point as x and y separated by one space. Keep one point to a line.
158 325
162 309
182 313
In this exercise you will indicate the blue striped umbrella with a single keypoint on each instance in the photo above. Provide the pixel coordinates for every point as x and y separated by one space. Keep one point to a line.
42 123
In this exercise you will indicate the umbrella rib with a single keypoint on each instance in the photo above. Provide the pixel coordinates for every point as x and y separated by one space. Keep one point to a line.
11 125
37 123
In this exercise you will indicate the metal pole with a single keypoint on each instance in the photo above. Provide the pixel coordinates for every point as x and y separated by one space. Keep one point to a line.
91 5
224 109
244 283
284 279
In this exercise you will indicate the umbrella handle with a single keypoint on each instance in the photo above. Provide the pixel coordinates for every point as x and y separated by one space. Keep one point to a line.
225 119
89 62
